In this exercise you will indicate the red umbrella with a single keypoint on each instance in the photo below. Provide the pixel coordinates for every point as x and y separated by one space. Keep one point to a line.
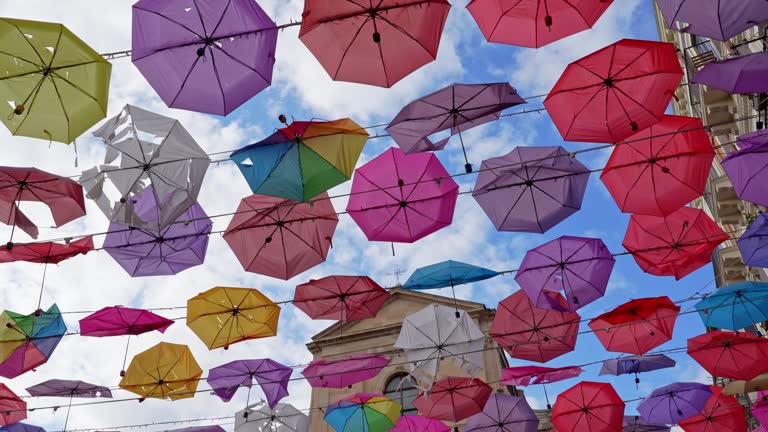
675 245
637 326
454 399
529 333
12 408
345 298
534 23
279 237
661 168
376 43
45 253
588 406
727 354
722 413
614 92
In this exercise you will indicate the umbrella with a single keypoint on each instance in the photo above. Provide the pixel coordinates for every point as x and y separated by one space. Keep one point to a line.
588 406
721 413
22 427
345 371
45 252
62 196
271 376
345 298
434 333
454 399
12 408
746 167
753 242
206 57
402 198
636 326
447 274
57 86
28 341
530 375
503 413
69 388
735 307
456 108
415 423
212 428
281 238
738 75
614 92
373 43
675 245
661 168
165 371
303 159
712 18
282 418
674 402
223 316
759 409
528 333
155 151
577 267
368 412
636 424
636 364
739 356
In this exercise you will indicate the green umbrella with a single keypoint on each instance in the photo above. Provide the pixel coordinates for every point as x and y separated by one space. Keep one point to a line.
55 85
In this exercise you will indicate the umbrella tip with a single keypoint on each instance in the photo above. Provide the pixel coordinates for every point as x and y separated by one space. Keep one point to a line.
19 110
634 126
38 312
468 168
548 20
9 246
122 373
376 37
458 314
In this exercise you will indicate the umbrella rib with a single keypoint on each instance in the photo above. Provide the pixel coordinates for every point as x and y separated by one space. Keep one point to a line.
218 78
33 95
408 35
78 88
171 21
240 62
61 103
184 82
23 36
346 50
221 18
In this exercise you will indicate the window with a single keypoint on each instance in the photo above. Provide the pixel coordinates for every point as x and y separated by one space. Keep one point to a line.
402 389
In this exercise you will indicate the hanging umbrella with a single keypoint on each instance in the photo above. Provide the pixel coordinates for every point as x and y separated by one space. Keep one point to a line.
281 238
614 92
721 413
56 85
223 316
636 326
675 245
303 159
68 388
22 427
738 75
344 372
589 406
759 409
28 341
271 376
528 333
746 167
45 252
447 274
457 108
212 428
454 399
636 424
660 168
345 298
531 375
577 267
415 423
165 371
712 18
636 364
530 189
735 307
282 418
368 412
12 408
402 198
752 244
739 356
534 23
435 333
373 43
504 413
155 151
674 403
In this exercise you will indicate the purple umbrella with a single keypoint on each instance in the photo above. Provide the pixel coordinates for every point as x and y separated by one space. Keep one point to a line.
715 19
205 55
504 413
636 424
577 267
344 372
744 74
753 244
531 189
748 167
271 376
674 403
68 388
457 108
636 365
24 427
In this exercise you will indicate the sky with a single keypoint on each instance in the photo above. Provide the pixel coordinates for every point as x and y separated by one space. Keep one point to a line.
302 90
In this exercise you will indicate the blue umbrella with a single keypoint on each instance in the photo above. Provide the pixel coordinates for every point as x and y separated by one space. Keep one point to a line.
735 307
636 364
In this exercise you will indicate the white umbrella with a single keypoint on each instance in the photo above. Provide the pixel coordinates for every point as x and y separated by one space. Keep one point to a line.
261 418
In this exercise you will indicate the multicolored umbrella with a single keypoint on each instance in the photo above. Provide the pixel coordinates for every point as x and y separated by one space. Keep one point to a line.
614 92
415 423
165 371
345 371
736 306
733 355
531 375
271 376
588 406
345 298
746 167
71 389
12 408
281 238
753 244
636 424
721 413
302 160
503 413
636 365
674 403
531 189
282 418
637 326
738 75
45 252
377 44
454 399
368 412
712 18
28 341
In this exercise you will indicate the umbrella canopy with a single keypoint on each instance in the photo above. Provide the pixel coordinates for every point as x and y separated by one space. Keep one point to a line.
636 424
344 372
402 198
529 333
753 244
271 376
415 423
588 406
12 408
223 316
122 321
528 375
637 326
636 365
734 355
531 189
165 371
345 298
204 56
721 413
759 409
213 428
674 402
675 245
302 160
738 75
661 168
57 86
577 267
454 399
534 23
363 411
377 43
69 388
735 307
155 151
45 252
282 418
22 427
503 413
281 238
614 92
746 167
28 341
447 274
712 18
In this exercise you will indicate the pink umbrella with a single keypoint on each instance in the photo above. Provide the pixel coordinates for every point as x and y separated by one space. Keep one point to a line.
414 423
402 198
528 375
760 408
344 372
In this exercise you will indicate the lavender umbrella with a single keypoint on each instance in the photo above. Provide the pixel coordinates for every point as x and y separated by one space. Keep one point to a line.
212 428
744 74
747 167
715 19
68 388
636 365
272 378
504 413
753 244
636 424
21 427
531 189
674 402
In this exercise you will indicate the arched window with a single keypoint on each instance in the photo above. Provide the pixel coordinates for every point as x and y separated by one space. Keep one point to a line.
402 389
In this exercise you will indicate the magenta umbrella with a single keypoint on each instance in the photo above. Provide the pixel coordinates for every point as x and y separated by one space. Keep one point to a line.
529 375
344 372
414 423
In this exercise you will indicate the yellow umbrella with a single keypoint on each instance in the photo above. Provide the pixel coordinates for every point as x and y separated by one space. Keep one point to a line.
223 316
165 371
